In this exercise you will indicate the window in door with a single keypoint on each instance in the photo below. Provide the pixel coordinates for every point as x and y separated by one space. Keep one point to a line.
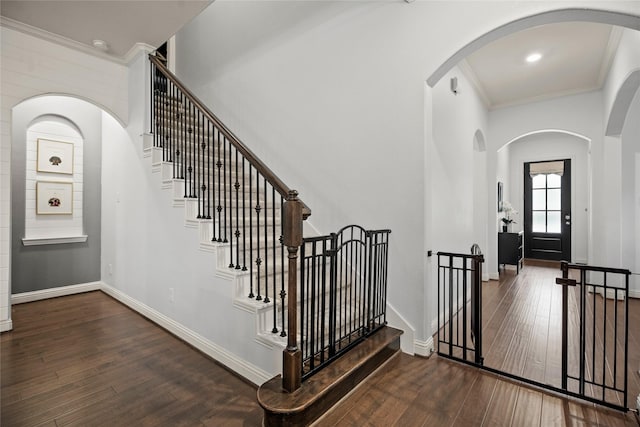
546 206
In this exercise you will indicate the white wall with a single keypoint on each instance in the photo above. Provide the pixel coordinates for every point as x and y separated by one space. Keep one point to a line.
630 194
456 118
31 67
579 114
621 151
554 146
146 249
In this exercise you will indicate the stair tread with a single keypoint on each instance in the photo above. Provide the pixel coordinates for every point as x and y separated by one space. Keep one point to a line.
330 384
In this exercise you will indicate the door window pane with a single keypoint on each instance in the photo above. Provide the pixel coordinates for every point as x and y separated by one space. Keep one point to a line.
553 222
538 222
553 199
539 200
539 181
554 181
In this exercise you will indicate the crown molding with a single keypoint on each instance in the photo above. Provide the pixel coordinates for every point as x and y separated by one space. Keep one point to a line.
610 53
468 72
73 44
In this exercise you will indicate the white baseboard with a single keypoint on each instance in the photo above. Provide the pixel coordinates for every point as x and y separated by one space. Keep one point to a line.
396 320
233 362
494 276
634 294
424 348
6 325
55 292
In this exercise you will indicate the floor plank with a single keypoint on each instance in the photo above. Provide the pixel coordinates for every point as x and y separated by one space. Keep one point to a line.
86 360
104 365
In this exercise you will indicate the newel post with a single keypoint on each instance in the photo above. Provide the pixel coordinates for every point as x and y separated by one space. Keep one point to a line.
292 238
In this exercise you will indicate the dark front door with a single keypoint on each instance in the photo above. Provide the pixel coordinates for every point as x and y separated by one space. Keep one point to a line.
547 210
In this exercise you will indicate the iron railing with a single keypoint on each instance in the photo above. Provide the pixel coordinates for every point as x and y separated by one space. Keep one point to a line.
343 293
253 213
460 306
595 336
249 208
595 327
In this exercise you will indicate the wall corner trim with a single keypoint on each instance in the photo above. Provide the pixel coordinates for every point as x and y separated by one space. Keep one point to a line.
424 348
219 354
37 241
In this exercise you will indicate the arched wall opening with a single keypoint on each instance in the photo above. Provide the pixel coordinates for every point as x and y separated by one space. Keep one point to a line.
51 248
550 17
588 126
623 138
548 145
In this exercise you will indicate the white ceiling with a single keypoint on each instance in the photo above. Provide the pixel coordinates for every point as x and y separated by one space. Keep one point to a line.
120 23
576 55
576 58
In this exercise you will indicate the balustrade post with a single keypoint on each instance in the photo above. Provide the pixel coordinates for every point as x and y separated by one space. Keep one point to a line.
292 238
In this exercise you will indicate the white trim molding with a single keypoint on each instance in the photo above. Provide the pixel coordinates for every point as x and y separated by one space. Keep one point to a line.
424 348
37 241
396 320
135 50
55 292
6 325
233 362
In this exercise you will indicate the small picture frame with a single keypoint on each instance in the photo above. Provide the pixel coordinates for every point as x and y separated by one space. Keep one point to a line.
500 195
54 198
55 156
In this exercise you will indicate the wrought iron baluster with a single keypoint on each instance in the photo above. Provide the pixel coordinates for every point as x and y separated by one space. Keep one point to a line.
244 217
209 155
237 234
251 294
181 139
266 244
219 202
303 316
274 263
283 292
314 305
258 261
229 196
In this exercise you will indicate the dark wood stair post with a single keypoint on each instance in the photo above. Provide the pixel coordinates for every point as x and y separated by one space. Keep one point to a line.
292 238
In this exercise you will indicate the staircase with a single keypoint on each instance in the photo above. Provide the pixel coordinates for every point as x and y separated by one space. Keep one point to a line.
315 299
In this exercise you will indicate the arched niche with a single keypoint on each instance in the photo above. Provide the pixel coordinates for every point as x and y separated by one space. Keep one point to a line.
479 144
53 172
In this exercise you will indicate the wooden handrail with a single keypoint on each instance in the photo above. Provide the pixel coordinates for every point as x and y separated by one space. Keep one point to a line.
263 169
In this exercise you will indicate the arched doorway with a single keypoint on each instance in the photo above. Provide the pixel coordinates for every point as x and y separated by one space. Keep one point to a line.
595 134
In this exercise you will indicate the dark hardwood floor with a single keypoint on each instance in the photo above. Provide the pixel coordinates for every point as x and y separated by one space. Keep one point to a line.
87 360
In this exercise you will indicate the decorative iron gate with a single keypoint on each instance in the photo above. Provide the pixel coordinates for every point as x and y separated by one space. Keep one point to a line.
595 326
460 307
343 292
596 336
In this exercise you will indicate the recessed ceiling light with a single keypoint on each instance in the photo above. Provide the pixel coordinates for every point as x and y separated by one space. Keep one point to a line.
534 57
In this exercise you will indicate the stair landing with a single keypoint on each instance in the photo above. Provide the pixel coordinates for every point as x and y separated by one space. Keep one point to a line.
324 389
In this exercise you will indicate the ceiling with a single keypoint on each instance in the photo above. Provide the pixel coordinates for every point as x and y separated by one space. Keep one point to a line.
120 23
576 57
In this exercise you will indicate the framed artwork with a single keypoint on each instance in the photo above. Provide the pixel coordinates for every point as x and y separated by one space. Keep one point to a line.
54 198
500 191
55 156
